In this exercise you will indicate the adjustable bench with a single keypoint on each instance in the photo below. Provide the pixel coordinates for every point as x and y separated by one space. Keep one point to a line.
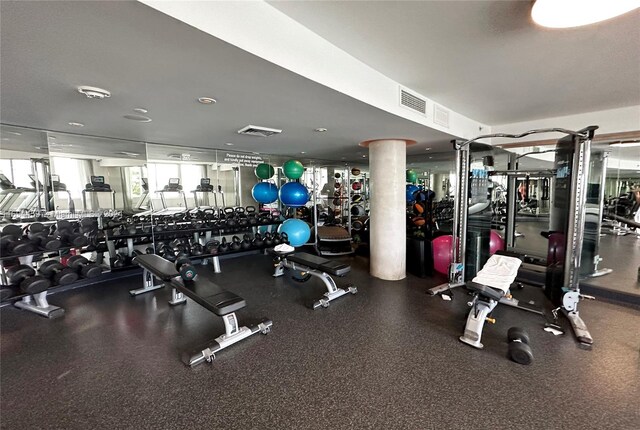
308 265
490 287
208 295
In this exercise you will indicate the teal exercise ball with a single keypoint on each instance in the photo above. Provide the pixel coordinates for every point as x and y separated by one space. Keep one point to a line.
264 192
294 194
293 169
264 171
297 230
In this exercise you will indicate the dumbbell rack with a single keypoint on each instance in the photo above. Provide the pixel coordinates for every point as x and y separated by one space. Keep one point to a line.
209 234
38 303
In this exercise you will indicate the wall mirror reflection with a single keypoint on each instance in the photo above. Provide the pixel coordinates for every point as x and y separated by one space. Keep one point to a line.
97 174
25 192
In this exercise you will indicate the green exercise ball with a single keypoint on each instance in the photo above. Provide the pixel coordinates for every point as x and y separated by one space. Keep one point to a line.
412 176
264 171
293 169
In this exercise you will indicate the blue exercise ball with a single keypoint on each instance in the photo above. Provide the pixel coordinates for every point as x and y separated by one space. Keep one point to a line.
411 189
297 230
264 192
294 194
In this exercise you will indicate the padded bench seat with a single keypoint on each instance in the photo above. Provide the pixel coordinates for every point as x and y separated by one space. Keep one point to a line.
205 293
485 290
313 261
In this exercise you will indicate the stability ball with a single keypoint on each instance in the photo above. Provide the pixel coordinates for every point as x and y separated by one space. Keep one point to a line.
293 169
442 253
496 242
294 194
264 192
412 176
297 230
411 190
264 171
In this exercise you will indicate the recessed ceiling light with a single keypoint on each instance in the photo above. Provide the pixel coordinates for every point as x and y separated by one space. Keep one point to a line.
52 137
94 92
576 13
427 149
76 124
130 154
320 130
5 138
229 144
139 118
15 133
140 110
430 158
207 100
364 156
302 152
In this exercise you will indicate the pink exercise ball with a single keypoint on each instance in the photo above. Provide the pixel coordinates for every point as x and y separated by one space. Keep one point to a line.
442 253
496 242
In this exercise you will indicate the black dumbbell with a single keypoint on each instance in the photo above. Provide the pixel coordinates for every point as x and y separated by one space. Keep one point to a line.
12 241
88 225
58 273
519 349
70 234
40 236
6 292
25 277
186 269
86 268
120 261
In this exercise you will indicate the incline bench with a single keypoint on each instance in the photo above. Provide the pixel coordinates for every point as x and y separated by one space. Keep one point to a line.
208 295
311 265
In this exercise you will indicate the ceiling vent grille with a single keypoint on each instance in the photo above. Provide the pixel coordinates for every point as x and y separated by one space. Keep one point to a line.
254 130
440 116
413 102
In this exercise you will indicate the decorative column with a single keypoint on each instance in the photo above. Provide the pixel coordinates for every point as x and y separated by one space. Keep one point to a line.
387 226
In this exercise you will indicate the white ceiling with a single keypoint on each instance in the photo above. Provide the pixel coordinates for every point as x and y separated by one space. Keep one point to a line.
485 59
148 59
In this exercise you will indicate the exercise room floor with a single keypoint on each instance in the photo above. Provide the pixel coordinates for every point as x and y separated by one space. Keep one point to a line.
386 358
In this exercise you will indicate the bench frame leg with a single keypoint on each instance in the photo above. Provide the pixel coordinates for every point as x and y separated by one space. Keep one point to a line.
233 334
177 298
38 304
480 309
148 284
333 292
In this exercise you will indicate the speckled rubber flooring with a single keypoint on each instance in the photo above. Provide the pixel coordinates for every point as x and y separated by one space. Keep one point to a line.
386 358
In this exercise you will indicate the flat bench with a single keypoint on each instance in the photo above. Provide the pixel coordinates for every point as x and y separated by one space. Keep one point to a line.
306 265
205 293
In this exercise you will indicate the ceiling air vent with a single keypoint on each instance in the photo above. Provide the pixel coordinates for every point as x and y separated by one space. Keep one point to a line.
255 130
413 102
440 116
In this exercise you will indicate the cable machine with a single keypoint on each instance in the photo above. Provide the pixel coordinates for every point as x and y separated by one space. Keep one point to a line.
567 222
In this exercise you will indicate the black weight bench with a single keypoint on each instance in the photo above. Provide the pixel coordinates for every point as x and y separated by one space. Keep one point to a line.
307 265
205 293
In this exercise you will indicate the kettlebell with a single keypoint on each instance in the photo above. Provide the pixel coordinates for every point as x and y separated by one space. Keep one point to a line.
284 238
276 239
258 242
268 239
212 246
235 243
246 242
224 246
197 249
